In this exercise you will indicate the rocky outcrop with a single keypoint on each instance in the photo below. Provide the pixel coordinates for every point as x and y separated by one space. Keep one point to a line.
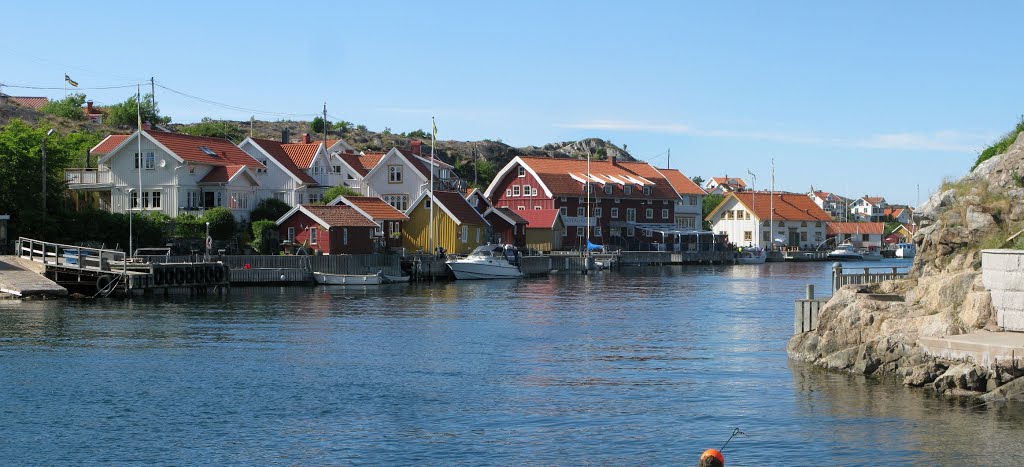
874 330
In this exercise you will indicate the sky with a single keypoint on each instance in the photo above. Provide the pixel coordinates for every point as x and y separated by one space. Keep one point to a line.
857 98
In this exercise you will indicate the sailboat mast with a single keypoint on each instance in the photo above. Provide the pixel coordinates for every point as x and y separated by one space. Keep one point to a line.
433 142
587 186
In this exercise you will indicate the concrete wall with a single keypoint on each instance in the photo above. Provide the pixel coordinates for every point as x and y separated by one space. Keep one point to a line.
1003 276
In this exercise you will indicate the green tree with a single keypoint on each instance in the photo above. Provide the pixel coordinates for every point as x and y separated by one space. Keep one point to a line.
336 191
710 203
125 114
214 129
419 134
188 225
222 223
269 209
261 231
69 107
343 127
317 125
698 180
361 128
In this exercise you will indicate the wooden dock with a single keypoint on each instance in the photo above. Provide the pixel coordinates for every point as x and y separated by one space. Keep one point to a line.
21 279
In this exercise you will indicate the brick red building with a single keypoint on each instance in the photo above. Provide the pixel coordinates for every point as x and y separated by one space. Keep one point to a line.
331 230
624 196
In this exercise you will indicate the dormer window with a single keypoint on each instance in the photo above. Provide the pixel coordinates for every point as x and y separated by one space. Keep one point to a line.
647 190
608 189
522 171
627 189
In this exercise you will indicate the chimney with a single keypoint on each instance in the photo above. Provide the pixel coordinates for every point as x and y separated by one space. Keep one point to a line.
88 107
286 136
417 147
305 138
147 126
611 160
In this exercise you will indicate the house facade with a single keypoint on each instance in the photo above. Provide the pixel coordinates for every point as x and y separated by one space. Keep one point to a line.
282 178
506 226
544 229
831 203
388 219
860 234
767 220
724 185
332 230
868 209
399 177
623 196
454 225
689 208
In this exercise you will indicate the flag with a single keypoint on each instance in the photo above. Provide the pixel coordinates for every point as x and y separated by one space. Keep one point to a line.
70 81
434 123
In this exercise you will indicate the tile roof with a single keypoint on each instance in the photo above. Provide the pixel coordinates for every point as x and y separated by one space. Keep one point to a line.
221 174
302 154
540 218
565 177
339 216
188 147
730 181
377 208
682 183
874 199
822 194
512 215
275 149
25 101
459 207
788 206
108 144
873 228
359 162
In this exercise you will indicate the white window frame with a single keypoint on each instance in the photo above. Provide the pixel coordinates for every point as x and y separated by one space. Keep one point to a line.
314 235
615 213
291 234
395 173
630 215
465 233
648 213
664 214
522 171
598 211
515 190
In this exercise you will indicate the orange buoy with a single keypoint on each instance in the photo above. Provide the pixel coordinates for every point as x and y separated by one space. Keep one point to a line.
712 458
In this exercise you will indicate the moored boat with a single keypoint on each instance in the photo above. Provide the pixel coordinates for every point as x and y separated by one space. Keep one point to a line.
870 254
846 251
906 250
325 278
487 262
751 255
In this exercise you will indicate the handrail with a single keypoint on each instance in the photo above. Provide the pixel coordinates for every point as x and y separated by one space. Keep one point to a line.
69 256
841 278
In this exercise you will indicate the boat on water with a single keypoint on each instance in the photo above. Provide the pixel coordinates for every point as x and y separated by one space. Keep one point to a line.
906 250
751 255
487 262
846 251
870 254
325 278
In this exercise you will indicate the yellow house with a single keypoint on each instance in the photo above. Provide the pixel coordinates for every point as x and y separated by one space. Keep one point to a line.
458 228
545 230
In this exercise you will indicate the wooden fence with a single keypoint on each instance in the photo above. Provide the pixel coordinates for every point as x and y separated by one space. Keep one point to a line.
866 275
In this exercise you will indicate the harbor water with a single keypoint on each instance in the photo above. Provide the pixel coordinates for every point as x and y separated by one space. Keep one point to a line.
643 366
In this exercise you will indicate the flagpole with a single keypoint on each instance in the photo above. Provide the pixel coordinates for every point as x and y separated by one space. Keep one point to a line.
433 142
138 108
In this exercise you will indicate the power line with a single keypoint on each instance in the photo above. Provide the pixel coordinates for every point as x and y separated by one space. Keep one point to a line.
56 88
233 107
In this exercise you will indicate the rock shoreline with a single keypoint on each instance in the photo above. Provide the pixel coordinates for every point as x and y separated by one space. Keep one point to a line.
874 330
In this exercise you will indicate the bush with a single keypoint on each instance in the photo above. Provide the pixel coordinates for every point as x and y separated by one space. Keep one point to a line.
189 225
269 209
69 107
262 233
222 223
1000 146
334 192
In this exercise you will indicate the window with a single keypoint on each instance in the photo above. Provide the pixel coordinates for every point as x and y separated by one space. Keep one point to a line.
562 199
627 189
803 224
864 237
631 215
344 235
608 189
746 215
279 195
563 211
145 200
803 236
693 201
534 189
393 231
465 233
522 171
748 236
615 213
192 199
399 202
598 211
664 214
537 208
817 224
315 197
647 190
817 236
597 230
729 214
523 208
134 199
156 199
479 232
648 213
394 174
581 211
474 201
313 231
686 222
782 224
766 236
337 169
515 190
508 192
148 160
291 234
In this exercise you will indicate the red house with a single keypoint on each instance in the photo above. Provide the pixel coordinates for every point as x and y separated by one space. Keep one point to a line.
623 197
507 226
332 230
388 219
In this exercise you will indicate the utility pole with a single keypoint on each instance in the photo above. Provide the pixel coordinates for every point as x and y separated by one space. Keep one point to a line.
474 165
152 92
325 124
669 158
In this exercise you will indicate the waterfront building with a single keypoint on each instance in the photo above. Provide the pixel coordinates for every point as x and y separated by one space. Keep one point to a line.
507 227
868 209
331 230
624 197
833 204
295 173
767 219
901 214
544 229
689 208
859 234
457 227
388 219
174 173
903 233
724 185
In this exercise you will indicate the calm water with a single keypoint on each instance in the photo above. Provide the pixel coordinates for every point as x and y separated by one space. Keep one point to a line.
633 367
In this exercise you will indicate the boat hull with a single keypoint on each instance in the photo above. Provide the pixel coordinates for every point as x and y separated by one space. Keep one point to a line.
845 256
324 278
471 270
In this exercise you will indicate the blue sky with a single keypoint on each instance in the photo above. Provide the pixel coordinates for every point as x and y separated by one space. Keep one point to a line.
857 98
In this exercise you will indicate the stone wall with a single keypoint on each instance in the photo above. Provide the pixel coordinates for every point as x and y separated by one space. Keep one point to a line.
1003 276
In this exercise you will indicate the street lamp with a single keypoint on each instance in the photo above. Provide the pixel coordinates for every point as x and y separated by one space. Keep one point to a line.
129 204
48 133
209 242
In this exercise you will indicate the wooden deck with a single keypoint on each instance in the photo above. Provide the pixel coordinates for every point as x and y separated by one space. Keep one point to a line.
21 279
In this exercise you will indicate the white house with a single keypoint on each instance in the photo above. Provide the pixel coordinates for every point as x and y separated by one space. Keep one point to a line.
723 185
859 234
282 179
399 177
765 219
689 208
869 209
176 173
831 203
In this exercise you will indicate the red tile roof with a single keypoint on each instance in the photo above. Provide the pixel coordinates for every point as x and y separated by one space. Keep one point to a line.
188 147
361 163
459 207
276 150
788 206
221 174
874 199
108 144
24 101
377 208
302 154
339 216
539 218
873 228
558 176
682 183
730 181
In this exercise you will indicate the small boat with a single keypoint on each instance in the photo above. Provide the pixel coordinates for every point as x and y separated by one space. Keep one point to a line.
906 250
870 254
751 255
846 251
488 262
326 278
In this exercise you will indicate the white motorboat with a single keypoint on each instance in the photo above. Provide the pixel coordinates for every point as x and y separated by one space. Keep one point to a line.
906 250
488 262
751 255
325 278
846 251
870 254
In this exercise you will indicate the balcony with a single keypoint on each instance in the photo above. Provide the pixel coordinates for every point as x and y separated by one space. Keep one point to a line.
87 178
